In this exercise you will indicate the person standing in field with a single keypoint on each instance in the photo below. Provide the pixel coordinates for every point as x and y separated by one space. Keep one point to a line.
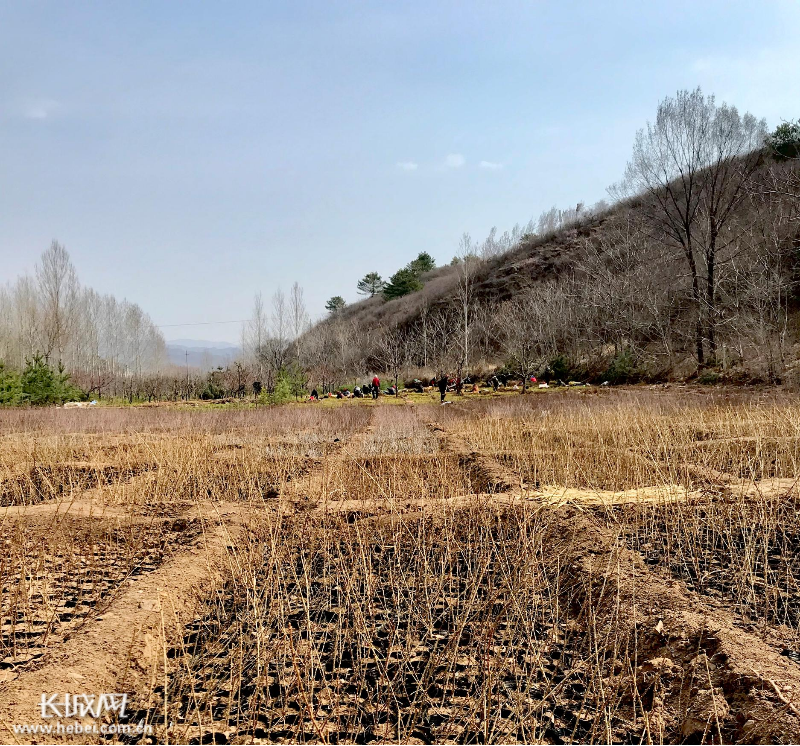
376 387
443 387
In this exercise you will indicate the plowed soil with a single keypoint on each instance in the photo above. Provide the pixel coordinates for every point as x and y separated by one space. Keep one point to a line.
398 576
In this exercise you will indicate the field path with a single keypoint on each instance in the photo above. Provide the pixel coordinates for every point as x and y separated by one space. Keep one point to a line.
123 649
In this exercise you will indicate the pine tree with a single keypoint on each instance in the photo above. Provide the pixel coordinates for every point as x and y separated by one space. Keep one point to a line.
335 304
402 282
371 284
42 385
785 141
10 387
422 264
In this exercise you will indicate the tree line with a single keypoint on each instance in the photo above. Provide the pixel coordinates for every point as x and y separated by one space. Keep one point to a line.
51 317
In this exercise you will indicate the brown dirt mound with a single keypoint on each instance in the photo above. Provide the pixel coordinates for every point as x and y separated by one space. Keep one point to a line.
484 471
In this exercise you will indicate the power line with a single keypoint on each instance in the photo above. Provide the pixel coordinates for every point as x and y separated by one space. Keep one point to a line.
203 323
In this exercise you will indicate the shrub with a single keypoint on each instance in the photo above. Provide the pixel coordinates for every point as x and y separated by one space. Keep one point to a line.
623 369
297 379
10 387
560 369
709 377
42 385
505 373
287 387
212 389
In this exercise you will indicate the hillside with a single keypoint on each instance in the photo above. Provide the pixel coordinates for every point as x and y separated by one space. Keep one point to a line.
534 259
609 296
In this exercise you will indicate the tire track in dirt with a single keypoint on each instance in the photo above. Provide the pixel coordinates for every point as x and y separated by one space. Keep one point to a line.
123 649
707 673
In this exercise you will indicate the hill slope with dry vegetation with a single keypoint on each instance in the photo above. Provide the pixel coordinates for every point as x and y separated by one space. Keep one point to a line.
694 273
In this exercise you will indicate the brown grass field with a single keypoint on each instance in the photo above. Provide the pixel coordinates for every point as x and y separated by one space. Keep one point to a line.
579 566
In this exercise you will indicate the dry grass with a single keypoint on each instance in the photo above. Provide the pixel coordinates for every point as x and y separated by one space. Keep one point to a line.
743 552
436 629
466 623
633 439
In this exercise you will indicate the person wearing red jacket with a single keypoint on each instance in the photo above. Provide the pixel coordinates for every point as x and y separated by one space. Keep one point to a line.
376 387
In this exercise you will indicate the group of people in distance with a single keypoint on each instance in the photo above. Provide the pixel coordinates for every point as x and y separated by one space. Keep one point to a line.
443 383
372 388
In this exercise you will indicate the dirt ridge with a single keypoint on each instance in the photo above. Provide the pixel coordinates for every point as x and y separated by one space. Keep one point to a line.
119 651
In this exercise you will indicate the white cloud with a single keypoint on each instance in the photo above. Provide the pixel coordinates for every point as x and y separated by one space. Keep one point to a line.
491 165
407 166
455 160
39 108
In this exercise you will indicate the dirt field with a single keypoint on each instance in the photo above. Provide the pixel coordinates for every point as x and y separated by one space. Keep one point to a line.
594 566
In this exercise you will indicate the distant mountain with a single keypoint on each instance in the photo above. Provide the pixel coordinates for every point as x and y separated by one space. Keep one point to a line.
202 353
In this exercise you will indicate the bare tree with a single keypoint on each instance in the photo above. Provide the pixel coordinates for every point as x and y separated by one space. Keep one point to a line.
693 164
20 321
298 316
393 353
280 333
423 331
467 266
757 290
522 332
254 335
494 245
58 289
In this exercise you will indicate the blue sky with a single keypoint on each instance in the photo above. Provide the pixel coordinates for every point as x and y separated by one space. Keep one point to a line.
191 154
